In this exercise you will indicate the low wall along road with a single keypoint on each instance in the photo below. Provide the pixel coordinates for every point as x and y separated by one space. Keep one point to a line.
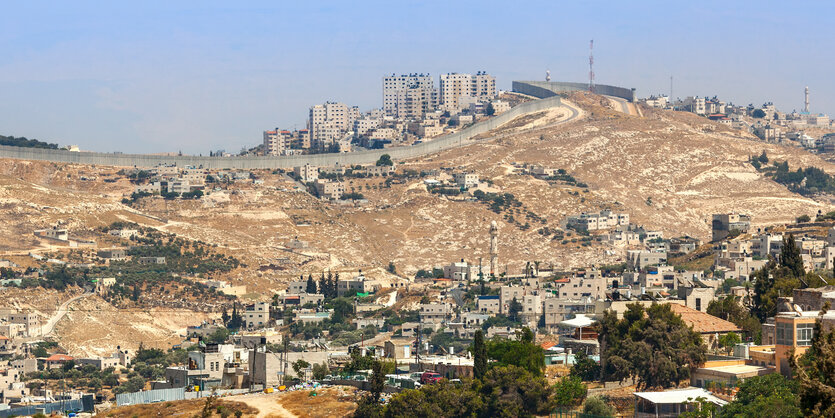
546 92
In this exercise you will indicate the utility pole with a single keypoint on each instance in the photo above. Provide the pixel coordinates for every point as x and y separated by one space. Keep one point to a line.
671 89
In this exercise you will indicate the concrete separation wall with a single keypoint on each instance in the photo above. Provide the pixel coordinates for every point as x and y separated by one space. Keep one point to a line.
544 89
150 396
445 142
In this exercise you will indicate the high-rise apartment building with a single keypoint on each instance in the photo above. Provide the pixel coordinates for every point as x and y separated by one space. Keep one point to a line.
330 122
458 90
280 142
409 96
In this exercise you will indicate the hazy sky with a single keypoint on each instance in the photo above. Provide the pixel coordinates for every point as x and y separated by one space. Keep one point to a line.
151 76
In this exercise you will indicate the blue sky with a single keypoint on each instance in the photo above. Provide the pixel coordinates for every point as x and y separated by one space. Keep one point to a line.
197 76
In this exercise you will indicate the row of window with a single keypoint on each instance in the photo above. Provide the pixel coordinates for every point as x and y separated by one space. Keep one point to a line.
786 334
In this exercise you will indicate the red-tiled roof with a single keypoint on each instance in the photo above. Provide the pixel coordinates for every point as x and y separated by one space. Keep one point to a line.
547 345
59 357
2 337
703 323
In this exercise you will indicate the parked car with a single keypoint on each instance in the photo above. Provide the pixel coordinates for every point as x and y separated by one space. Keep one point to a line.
430 377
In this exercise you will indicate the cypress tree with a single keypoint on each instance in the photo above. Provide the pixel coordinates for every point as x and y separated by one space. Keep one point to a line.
479 355
790 257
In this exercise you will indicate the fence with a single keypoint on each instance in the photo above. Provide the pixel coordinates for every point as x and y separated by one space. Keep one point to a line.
151 396
85 404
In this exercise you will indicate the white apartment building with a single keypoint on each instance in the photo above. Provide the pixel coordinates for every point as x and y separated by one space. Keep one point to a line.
330 122
306 173
466 180
459 90
409 96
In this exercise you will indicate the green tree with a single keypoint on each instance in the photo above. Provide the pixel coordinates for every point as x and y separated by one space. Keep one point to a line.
442 399
320 371
585 367
384 160
512 391
513 310
729 340
300 365
769 396
522 353
790 256
652 345
479 355
311 284
763 158
729 308
570 392
758 113
377 381
490 110
815 372
803 218
595 406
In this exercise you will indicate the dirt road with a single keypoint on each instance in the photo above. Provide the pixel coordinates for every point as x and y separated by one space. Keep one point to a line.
50 324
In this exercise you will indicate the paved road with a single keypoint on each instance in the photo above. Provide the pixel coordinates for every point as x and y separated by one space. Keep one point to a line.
47 328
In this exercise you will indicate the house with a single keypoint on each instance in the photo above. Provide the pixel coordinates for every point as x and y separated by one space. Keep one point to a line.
726 372
356 285
794 332
434 313
466 180
671 403
369 322
115 254
257 315
709 326
489 304
53 233
398 348
123 233
151 260
56 361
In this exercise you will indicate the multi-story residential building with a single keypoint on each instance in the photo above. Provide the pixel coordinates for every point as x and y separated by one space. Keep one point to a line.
466 180
306 173
330 122
693 104
409 96
329 189
459 90
461 271
605 219
257 315
723 224
434 313
637 260
489 304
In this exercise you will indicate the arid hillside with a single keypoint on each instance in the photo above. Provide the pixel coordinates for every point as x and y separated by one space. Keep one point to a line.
669 170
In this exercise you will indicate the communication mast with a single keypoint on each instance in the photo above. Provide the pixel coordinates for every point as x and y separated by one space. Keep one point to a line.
591 66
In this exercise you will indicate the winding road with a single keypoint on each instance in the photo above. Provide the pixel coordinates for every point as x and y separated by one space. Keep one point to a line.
62 310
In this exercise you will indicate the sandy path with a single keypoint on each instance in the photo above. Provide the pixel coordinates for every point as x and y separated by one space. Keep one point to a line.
267 404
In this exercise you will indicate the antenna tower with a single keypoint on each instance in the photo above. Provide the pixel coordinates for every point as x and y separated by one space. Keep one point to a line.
806 107
591 66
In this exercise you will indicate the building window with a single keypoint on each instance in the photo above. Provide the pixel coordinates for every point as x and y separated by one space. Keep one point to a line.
804 334
784 333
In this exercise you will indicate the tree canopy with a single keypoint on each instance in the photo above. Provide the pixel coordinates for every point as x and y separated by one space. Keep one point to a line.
652 345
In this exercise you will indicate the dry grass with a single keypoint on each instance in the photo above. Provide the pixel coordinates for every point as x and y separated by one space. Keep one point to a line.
187 408
329 402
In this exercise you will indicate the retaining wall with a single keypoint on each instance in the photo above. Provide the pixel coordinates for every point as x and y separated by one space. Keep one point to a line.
85 404
544 89
457 139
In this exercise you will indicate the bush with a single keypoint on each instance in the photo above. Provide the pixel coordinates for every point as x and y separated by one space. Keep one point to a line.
570 392
597 407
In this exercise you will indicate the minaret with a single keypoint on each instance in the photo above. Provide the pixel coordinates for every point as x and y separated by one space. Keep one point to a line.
806 108
494 248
